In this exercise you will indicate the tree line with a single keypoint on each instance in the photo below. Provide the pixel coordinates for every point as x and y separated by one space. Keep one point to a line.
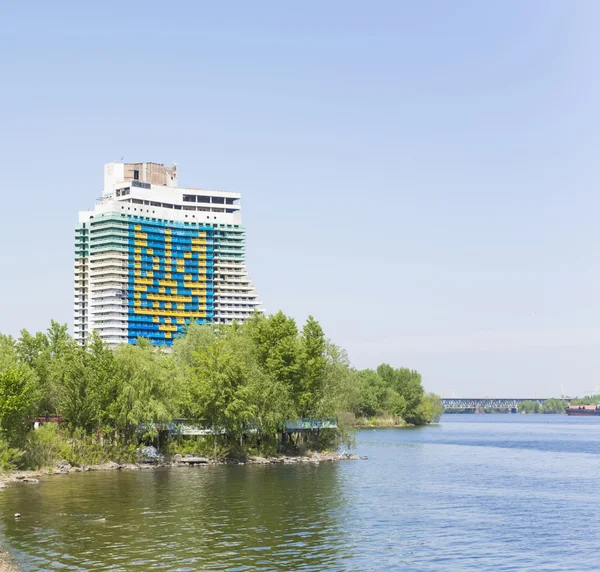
258 374
587 400
548 406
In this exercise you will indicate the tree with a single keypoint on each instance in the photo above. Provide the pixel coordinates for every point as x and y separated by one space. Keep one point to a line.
8 351
529 407
217 390
396 403
587 400
277 349
312 370
16 399
196 336
370 394
147 387
338 391
40 352
87 382
553 406
405 382
269 398
435 408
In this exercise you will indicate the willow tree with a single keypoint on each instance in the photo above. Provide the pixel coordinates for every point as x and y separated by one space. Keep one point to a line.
217 391
147 387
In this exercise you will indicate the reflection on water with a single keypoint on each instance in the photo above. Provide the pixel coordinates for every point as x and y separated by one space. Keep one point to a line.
495 492
179 519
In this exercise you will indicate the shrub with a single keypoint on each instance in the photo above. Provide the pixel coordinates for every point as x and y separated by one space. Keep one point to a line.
196 445
43 447
9 457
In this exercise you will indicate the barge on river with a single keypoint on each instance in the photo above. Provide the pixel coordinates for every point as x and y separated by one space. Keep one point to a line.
583 410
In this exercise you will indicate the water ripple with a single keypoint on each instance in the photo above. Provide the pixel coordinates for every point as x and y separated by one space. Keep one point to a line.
476 493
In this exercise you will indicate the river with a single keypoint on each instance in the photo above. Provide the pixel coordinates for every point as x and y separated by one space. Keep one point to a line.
477 492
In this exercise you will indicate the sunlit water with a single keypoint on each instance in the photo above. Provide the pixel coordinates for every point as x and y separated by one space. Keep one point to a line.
478 492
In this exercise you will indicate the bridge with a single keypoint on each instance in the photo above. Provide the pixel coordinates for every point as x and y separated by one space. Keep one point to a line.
491 402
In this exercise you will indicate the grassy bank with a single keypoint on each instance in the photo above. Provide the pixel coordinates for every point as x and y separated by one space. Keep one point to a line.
49 447
380 421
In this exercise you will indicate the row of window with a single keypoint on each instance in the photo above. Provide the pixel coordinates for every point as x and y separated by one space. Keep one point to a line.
100 222
213 200
186 216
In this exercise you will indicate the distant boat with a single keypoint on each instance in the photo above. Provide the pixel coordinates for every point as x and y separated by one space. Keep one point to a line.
583 410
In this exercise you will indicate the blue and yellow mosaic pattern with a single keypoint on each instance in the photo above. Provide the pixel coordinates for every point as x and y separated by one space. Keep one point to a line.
170 278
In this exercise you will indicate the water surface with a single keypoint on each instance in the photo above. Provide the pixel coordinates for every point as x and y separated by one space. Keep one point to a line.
477 492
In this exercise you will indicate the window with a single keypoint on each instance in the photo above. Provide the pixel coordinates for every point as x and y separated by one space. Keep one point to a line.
136 175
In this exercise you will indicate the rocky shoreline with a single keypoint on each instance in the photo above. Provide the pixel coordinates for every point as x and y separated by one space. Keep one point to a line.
6 562
64 468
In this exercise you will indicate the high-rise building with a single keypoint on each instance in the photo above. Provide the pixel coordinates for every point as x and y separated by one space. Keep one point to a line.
152 257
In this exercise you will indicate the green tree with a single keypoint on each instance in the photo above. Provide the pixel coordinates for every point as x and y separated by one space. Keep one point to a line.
587 400
16 400
88 384
269 398
40 352
313 367
147 387
8 351
405 382
278 351
219 395
435 408
196 336
529 406
553 406
396 403
338 392
371 393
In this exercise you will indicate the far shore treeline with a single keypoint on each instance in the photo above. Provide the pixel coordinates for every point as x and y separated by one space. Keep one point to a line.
242 381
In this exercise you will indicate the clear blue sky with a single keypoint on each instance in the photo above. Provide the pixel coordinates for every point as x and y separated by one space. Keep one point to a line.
421 177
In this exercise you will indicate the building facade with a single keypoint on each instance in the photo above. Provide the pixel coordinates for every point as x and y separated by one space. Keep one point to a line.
152 257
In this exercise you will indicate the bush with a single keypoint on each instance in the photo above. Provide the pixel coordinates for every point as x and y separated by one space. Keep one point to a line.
43 447
83 449
196 445
9 457
47 445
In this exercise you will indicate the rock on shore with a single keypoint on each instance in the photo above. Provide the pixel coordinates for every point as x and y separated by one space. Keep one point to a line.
64 468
